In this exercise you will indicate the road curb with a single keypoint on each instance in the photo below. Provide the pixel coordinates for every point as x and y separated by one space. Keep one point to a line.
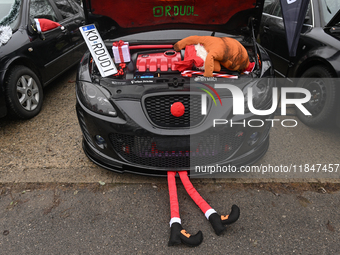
97 174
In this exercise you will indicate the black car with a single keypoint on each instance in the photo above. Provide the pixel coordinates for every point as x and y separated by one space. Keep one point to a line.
30 60
127 120
317 55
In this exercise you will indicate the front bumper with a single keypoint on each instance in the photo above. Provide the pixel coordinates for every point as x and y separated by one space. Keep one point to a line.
133 148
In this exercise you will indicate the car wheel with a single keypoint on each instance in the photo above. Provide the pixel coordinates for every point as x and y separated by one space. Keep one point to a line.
323 102
24 93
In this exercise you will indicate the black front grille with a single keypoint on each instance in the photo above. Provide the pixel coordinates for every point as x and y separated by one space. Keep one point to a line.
158 109
176 151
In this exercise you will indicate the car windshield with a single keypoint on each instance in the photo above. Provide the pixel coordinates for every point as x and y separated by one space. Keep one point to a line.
329 9
9 12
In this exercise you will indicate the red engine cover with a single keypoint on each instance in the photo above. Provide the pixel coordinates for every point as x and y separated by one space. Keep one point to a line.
154 61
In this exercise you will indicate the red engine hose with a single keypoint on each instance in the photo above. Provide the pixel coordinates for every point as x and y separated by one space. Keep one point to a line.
136 47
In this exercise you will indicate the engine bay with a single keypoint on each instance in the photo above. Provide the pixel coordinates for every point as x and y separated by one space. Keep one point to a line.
158 61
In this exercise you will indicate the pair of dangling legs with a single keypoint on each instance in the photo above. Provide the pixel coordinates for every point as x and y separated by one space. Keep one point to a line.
178 234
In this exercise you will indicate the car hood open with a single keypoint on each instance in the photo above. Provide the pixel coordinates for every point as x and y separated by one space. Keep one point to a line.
119 18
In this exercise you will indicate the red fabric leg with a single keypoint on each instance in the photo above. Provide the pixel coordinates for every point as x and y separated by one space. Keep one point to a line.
202 204
174 208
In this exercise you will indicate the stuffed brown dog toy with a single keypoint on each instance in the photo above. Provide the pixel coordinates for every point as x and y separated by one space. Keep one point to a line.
224 50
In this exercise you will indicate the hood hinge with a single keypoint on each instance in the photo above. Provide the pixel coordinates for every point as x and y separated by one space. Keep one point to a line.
251 21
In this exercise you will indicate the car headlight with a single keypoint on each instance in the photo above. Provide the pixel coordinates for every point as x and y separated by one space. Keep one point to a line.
95 98
262 91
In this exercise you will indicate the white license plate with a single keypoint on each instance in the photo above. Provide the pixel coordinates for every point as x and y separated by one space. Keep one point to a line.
99 52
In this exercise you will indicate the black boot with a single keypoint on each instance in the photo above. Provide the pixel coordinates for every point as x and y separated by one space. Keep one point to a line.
179 235
218 221
232 217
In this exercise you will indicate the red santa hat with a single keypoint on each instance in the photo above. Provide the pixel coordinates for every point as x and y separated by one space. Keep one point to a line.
44 25
250 68
190 59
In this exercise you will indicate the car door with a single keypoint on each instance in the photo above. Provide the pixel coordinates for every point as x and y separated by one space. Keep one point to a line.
273 37
72 18
264 38
51 49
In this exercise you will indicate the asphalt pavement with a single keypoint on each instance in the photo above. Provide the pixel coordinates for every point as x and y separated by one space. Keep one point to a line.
55 201
134 219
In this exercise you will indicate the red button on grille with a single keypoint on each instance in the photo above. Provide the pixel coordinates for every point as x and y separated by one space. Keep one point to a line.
177 109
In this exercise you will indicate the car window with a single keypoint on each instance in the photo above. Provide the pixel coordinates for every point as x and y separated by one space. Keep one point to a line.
76 4
278 13
309 18
277 10
9 13
42 9
329 9
268 5
65 8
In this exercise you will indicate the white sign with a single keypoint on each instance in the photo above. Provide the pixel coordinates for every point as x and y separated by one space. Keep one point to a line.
98 50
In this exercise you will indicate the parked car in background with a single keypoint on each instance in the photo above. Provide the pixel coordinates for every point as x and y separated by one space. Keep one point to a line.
30 60
317 56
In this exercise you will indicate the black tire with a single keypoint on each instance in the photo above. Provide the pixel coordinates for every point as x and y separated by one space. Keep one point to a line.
324 91
24 93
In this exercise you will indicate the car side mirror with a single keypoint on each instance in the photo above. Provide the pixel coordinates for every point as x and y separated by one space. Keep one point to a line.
44 25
